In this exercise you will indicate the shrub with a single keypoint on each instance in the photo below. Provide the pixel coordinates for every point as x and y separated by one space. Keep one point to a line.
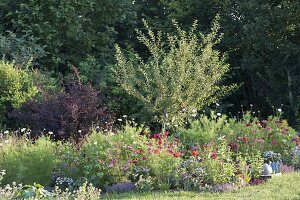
218 162
69 114
182 74
206 129
27 162
161 166
103 158
16 88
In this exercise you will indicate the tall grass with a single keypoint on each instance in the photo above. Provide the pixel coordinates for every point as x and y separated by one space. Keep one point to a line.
27 162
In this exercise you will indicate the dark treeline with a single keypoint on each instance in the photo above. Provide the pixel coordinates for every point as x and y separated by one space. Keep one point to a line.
261 39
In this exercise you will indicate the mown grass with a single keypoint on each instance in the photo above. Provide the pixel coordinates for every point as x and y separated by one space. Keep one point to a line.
284 187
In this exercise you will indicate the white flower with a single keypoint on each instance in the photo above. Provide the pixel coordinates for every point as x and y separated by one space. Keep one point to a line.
50 133
95 143
251 105
194 115
79 131
120 120
97 127
6 132
124 116
217 104
23 129
194 110
279 110
219 114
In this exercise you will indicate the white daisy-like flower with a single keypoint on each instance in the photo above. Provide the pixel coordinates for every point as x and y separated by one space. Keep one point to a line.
279 110
124 116
79 131
50 133
217 104
120 120
219 114
23 129
6 132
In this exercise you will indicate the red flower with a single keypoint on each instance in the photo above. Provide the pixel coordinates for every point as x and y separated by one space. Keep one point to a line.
144 158
170 151
214 155
159 142
274 141
156 151
195 153
176 154
245 139
248 124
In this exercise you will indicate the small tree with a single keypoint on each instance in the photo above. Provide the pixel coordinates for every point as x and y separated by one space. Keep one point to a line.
181 75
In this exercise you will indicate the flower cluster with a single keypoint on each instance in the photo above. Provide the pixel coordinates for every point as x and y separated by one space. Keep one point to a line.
66 181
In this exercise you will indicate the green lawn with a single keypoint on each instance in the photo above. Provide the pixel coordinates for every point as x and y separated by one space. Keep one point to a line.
284 187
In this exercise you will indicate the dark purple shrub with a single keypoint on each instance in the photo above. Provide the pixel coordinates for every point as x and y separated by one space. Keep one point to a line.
68 115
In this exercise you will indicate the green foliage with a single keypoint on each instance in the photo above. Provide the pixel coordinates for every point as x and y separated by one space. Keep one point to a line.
37 191
205 129
102 157
218 163
182 74
246 135
25 162
66 30
16 88
22 50
161 166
